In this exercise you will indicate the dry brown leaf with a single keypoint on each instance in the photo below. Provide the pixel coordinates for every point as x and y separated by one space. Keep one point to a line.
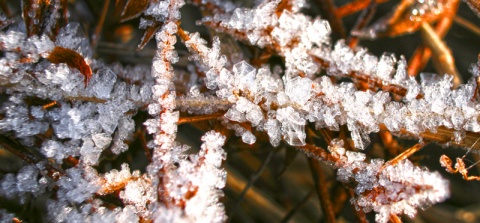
149 34
72 59
133 9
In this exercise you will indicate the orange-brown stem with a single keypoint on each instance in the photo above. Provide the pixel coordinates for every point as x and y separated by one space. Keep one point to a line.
199 118
407 153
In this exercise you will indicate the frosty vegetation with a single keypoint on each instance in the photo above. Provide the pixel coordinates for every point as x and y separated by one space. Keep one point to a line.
94 105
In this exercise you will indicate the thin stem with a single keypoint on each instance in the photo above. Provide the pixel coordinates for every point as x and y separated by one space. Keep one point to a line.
422 54
295 208
98 29
407 153
183 120
365 17
395 219
318 152
252 180
257 199
353 7
322 190
443 59
467 25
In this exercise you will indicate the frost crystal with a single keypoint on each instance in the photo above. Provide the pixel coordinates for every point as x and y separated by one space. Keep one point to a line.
387 189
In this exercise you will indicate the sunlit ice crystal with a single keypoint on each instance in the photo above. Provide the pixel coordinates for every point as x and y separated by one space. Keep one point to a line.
244 74
385 66
293 126
102 83
299 89
241 18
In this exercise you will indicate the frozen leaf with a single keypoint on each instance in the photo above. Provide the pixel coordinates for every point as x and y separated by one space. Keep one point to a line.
149 33
133 9
72 59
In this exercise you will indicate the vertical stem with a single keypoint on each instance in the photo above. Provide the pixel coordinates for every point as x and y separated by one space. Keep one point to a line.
101 21
322 190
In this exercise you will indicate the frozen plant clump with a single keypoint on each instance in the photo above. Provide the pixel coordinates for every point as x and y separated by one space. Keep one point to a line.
137 113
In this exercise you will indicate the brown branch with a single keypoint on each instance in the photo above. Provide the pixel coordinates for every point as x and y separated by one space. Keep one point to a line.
317 152
29 157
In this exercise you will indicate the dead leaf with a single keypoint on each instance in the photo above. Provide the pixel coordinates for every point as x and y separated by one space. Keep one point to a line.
133 9
72 59
149 34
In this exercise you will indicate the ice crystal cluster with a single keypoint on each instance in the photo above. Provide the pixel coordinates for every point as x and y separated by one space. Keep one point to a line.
93 113
387 189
